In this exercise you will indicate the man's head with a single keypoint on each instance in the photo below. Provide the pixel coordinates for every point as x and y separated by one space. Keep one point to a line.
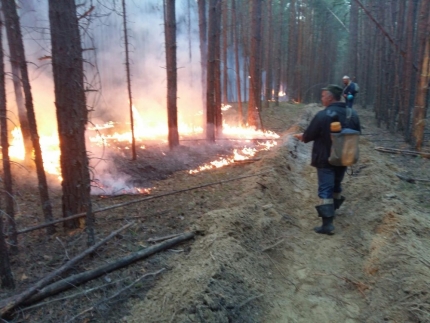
346 80
331 93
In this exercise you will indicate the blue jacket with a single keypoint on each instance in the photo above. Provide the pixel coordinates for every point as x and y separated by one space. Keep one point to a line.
350 89
318 131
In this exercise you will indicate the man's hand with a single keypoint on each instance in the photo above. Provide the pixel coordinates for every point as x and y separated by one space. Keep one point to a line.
298 136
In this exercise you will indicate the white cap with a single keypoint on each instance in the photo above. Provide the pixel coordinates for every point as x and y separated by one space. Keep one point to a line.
345 77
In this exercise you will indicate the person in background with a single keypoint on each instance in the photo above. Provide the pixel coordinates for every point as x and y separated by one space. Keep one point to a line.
349 91
329 177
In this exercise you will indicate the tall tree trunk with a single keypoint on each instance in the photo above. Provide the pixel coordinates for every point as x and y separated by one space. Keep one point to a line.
408 82
127 71
22 114
278 56
353 40
172 83
269 55
190 51
420 111
369 92
398 64
299 55
224 52
6 277
7 175
237 69
203 49
379 70
390 55
292 52
72 113
211 68
254 103
218 89
13 28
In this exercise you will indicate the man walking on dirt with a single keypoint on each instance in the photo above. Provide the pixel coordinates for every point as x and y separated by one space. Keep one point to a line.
349 91
329 177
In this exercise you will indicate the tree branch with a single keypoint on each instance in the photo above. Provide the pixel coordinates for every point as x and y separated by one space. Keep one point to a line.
78 279
80 215
10 303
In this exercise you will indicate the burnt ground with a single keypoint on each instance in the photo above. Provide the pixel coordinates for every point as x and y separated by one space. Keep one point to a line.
255 257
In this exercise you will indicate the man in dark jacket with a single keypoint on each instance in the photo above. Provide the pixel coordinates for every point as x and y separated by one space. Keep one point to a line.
349 91
329 177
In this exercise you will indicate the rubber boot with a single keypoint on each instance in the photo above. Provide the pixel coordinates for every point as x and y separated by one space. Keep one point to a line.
326 212
338 202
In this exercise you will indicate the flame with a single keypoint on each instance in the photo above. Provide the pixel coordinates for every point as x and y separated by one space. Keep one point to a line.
108 135
143 130
49 146
225 107
247 132
238 155
16 147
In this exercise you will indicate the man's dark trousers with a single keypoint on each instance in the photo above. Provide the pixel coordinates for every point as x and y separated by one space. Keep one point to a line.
330 181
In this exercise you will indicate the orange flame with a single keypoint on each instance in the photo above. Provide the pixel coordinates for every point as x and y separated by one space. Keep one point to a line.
148 129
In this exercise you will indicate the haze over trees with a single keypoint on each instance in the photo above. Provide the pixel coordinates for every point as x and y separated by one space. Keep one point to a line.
252 53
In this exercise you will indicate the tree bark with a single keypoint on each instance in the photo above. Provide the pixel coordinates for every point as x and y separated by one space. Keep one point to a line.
6 277
398 64
172 82
72 113
278 55
211 69
408 80
20 103
254 103
237 63
420 111
127 71
269 55
353 40
14 29
203 49
218 87
299 55
7 180
292 50
224 18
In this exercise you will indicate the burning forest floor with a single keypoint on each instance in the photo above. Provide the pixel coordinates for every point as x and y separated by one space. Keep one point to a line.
254 256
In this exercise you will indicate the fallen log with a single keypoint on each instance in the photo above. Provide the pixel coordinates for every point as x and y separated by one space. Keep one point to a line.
80 215
13 301
159 239
403 151
79 279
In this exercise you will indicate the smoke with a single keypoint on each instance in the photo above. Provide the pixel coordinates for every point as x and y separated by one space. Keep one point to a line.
104 54
147 61
105 75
